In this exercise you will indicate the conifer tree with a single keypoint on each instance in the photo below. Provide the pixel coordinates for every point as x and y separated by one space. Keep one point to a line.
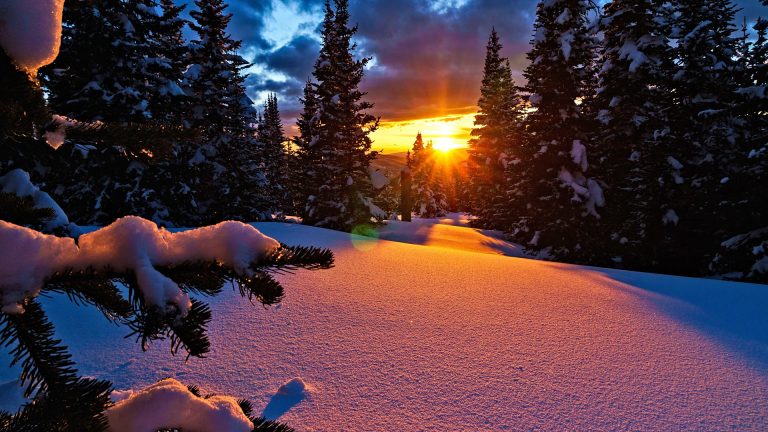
429 200
61 399
117 76
272 139
496 132
706 181
633 109
335 149
170 55
743 252
213 77
553 200
226 172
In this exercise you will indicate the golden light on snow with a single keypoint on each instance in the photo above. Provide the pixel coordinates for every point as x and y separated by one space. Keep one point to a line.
445 132
30 31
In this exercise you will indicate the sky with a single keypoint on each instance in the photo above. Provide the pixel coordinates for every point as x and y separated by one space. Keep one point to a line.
427 57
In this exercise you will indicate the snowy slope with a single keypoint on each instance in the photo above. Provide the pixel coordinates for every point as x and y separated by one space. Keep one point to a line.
405 337
450 232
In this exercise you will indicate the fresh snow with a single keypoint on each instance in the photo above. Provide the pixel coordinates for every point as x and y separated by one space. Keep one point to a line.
17 182
449 232
30 31
170 402
378 178
28 257
406 337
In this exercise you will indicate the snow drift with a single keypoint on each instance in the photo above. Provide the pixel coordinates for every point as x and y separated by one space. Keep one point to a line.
28 257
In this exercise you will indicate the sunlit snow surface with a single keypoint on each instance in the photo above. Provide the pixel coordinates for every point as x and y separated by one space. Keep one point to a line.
405 337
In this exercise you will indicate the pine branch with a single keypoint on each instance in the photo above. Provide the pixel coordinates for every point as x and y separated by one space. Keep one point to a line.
79 407
260 424
45 363
189 332
262 287
246 406
91 289
22 211
134 137
202 278
289 258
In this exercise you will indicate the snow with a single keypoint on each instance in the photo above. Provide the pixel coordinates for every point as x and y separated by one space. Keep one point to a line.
406 337
28 257
629 51
30 31
674 162
55 138
579 154
670 218
378 178
566 40
449 232
756 92
17 182
170 404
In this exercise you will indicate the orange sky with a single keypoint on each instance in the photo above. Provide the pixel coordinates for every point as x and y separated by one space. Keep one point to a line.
446 132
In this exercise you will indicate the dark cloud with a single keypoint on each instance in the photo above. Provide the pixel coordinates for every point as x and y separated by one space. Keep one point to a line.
294 59
427 62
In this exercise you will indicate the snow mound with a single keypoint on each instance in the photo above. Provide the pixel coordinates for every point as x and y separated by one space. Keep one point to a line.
17 182
30 31
28 257
170 404
296 387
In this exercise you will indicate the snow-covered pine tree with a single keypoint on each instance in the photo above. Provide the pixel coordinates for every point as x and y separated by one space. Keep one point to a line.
170 55
496 128
60 398
214 77
428 196
705 165
228 181
633 105
554 202
113 77
744 255
129 77
335 153
273 152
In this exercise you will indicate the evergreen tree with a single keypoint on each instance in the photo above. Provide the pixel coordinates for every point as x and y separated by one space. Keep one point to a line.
633 108
494 135
429 200
553 201
60 399
707 178
213 77
272 139
335 142
121 75
743 253
170 55
225 169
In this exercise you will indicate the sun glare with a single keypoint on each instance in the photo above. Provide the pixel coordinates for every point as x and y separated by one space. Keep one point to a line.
446 133
445 144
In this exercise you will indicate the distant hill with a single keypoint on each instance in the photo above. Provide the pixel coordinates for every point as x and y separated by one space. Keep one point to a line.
394 162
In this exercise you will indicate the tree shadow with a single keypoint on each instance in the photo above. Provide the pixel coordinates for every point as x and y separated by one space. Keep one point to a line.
732 313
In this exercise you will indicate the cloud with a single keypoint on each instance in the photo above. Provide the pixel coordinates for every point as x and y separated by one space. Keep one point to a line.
428 54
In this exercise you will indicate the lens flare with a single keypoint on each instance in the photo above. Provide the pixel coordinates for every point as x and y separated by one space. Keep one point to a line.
364 237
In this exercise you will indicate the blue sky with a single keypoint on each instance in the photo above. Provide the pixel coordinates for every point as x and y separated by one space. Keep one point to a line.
427 54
